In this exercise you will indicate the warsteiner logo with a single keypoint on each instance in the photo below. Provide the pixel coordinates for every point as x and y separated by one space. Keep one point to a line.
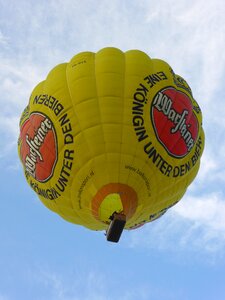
38 147
175 125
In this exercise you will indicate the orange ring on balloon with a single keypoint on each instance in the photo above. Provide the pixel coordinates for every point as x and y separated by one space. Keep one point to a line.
127 194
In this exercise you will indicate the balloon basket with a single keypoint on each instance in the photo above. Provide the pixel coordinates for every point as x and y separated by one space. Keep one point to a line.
116 226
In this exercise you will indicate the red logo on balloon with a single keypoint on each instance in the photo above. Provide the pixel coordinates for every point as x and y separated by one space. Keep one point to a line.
38 150
174 122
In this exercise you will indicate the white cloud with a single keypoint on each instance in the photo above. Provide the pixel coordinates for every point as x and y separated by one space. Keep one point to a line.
195 226
205 215
86 284
211 175
77 286
17 80
9 128
206 210
82 281
58 287
191 36
3 40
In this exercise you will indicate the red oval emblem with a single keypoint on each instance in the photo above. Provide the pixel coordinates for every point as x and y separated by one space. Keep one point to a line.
38 150
174 122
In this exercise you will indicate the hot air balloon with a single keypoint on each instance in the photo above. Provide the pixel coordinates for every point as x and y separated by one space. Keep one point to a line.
111 140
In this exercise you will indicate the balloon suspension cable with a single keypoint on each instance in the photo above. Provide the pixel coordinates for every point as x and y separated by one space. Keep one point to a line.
116 226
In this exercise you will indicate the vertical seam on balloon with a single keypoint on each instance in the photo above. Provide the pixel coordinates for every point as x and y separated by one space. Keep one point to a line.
100 119
80 215
74 112
146 114
134 154
123 123
149 115
121 144
122 131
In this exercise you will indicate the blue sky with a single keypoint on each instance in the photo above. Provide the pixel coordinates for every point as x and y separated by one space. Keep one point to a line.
180 256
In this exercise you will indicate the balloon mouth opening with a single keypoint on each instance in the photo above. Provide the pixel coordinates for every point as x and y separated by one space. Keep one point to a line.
114 198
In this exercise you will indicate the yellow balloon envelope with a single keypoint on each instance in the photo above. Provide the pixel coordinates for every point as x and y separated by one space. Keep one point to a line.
111 132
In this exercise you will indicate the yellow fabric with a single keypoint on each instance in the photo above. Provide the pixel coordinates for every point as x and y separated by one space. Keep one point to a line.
111 203
111 119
